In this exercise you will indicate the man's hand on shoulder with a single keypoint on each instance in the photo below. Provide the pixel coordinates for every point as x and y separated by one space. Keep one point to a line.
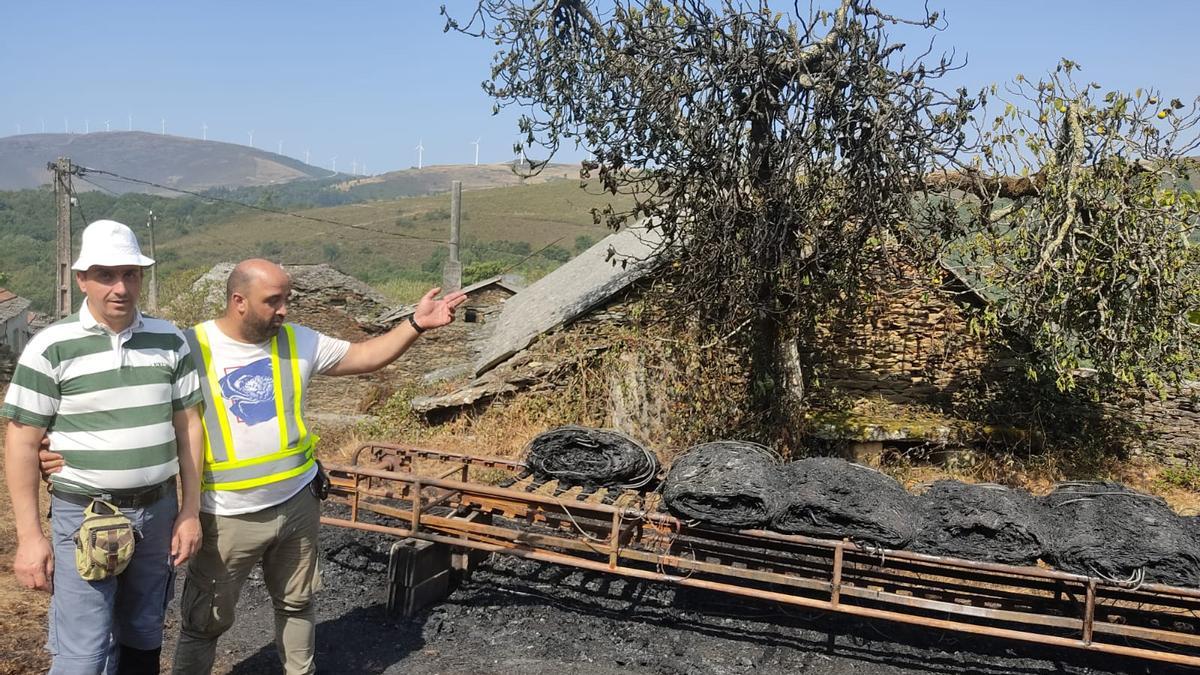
431 313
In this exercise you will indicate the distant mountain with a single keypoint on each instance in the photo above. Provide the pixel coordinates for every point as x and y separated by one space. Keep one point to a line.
428 180
174 161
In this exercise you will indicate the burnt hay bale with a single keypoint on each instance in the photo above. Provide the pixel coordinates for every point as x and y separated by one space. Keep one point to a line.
989 523
832 498
730 483
1112 532
591 457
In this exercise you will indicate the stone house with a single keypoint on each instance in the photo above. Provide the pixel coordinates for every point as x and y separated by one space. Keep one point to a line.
15 319
906 370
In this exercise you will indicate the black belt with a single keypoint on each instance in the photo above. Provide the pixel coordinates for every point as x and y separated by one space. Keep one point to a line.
122 499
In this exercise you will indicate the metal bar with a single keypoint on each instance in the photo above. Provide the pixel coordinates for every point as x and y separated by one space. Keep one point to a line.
416 507
1089 612
458 469
462 528
522 500
835 593
424 453
357 492
442 499
868 612
615 540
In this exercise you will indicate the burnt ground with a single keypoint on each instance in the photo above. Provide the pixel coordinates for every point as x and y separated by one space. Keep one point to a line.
518 616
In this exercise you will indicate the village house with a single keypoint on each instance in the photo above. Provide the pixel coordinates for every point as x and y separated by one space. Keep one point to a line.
907 371
15 319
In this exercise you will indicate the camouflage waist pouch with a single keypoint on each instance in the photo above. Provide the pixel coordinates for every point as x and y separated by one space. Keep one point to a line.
104 542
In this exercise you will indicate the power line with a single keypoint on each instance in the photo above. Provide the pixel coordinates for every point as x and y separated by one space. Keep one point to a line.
522 260
201 235
255 207
78 204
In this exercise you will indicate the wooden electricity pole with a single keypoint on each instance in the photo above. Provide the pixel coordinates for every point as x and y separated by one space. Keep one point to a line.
62 269
452 271
153 299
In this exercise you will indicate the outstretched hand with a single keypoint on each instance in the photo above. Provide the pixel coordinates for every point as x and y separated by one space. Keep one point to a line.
431 313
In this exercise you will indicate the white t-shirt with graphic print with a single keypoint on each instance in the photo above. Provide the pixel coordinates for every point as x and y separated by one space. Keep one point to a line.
243 373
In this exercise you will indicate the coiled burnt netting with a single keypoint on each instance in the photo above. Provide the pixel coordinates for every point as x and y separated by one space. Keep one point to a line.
832 498
1117 534
591 457
730 483
983 522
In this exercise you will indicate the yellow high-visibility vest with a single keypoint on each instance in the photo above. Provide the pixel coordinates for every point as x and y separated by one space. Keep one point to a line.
230 468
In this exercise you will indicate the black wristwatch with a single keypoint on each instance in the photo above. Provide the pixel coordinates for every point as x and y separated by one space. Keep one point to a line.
412 321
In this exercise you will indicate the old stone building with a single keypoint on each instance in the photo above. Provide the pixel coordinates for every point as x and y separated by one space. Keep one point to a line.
15 330
908 368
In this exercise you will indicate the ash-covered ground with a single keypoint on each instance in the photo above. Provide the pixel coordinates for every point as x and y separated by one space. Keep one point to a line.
518 616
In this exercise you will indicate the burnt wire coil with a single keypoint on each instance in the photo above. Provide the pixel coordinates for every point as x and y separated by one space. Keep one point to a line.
979 521
591 457
832 498
730 483
1112 532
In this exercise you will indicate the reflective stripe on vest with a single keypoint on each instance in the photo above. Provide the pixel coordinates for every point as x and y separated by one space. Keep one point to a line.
223 469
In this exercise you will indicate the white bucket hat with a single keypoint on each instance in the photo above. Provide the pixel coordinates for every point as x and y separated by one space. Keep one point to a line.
109 244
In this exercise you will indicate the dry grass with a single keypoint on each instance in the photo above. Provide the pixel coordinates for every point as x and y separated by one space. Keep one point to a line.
23 612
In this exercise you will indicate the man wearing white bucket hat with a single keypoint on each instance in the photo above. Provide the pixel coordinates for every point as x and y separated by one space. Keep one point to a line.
117 395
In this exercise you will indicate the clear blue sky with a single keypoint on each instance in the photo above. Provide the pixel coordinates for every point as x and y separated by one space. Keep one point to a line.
365 81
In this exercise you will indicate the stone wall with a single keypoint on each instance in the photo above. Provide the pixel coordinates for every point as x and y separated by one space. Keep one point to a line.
1167 428
911 348
909 345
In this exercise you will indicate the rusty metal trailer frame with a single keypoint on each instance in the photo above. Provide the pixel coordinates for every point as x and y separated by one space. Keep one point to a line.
1029 604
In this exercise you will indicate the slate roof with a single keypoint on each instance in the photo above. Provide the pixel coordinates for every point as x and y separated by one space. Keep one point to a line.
11 305
577 286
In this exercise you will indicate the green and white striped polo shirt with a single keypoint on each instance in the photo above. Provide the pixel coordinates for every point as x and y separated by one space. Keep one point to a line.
106 398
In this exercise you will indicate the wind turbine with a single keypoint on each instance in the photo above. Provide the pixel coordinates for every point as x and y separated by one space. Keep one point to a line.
280 148
476 144
306 155
420 153
251 132
18 129
204 130
87 126
354 167
66 126
164 126
43 125
333 163
106 128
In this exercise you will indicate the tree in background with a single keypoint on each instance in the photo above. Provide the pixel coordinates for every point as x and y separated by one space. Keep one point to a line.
786 159
1084 213
775 155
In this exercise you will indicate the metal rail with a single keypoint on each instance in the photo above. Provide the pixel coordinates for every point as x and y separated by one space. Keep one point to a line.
633 539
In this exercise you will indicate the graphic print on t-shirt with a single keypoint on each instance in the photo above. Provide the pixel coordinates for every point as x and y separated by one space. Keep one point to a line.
250 391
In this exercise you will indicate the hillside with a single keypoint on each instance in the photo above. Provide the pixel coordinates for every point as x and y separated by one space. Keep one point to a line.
384 241
394 243
174 161
434 179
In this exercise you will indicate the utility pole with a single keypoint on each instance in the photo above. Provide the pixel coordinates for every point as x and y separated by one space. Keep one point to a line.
153 299
62 270
452 271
